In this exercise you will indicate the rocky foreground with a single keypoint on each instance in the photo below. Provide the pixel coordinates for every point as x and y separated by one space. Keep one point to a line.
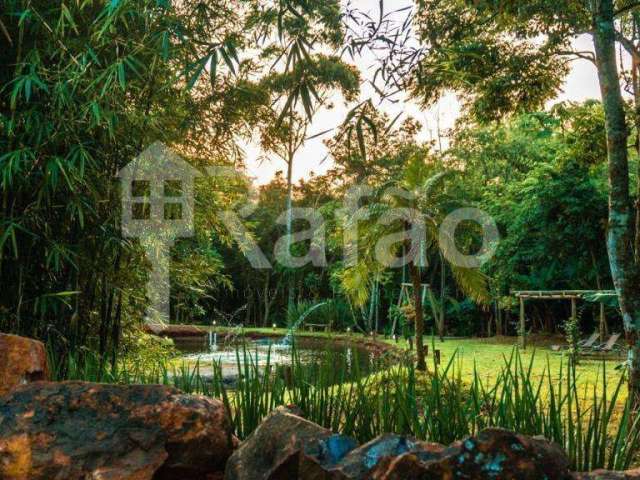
88 431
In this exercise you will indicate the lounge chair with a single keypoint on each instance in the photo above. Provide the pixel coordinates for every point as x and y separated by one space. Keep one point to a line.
585 343
609 346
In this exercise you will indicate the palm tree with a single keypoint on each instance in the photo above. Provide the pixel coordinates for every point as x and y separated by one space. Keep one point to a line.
417 200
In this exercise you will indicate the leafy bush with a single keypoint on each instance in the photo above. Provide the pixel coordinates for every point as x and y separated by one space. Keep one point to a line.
402 318
335 313
338 313
463 318
145 350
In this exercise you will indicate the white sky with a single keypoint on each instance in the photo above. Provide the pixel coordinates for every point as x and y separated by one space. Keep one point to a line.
580 85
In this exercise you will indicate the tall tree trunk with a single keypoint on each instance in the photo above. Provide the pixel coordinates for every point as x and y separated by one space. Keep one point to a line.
441 321
117 330
414 271
635 65
632 48
620 235
266 302
290 223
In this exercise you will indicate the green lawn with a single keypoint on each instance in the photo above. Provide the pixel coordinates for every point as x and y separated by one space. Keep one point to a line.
488 356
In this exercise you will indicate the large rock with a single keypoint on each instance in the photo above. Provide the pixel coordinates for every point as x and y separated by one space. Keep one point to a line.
272 451
321 459
287 447
356 463
77 430
494 454
22 360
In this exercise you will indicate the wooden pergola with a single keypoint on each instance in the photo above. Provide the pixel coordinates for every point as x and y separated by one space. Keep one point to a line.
572 295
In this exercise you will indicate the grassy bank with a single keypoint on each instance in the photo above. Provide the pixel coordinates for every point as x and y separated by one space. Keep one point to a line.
484 357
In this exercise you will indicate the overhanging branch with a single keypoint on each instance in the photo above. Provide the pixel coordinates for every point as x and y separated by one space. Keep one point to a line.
626 9
584 55
628 45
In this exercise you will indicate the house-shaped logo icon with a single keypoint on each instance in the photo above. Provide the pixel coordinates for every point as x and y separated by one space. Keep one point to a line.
157 194
157 207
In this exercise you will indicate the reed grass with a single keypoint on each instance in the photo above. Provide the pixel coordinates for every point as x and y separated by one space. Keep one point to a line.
596 428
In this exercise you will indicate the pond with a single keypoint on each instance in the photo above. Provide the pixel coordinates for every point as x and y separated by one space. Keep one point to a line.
346 360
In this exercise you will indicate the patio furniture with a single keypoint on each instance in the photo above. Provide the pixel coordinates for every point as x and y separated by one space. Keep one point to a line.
584 343
609 346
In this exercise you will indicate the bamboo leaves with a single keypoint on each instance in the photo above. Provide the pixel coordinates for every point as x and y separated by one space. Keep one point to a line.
82 90
8 233
226 51
358 122
25 85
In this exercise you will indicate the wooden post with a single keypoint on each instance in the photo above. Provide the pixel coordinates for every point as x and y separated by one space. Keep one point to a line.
523 331
603 324
574 347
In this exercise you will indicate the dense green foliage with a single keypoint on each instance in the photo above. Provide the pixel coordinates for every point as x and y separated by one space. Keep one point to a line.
506 57
539 175
86 85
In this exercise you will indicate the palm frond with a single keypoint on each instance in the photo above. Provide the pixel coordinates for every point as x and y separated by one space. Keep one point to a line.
433 182
355 282
472 282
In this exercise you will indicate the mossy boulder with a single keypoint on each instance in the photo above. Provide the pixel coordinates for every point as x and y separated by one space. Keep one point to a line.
78 430
22 360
